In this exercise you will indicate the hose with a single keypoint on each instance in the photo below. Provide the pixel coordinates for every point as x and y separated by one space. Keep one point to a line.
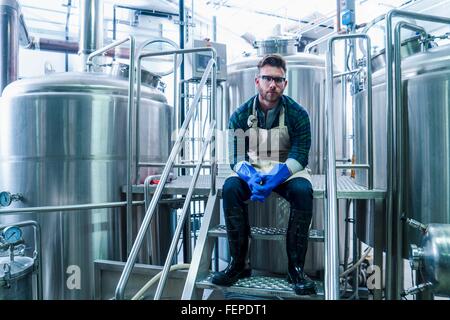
140 294
343 274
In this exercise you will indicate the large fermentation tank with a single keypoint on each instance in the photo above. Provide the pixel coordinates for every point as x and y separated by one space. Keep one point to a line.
426 93
306 85
63 142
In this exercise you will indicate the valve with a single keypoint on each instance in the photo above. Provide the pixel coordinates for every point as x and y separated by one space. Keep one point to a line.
6 198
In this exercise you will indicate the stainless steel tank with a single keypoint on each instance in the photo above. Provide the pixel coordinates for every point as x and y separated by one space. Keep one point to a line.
306 85
16 278
63 142
426 98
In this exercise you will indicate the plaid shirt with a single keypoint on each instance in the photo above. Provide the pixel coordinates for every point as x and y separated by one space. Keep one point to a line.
296 120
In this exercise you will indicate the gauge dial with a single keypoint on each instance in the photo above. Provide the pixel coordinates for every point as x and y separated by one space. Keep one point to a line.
12 234
5 199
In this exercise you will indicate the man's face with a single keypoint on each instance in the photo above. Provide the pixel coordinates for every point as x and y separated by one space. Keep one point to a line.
270 83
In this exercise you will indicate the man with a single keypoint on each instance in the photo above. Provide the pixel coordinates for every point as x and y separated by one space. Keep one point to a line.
274 159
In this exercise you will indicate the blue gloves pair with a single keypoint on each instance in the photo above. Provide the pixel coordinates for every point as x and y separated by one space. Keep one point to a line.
261 185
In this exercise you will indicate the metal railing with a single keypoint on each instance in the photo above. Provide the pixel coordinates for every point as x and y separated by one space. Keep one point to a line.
210 68
331 281
182 218
395 153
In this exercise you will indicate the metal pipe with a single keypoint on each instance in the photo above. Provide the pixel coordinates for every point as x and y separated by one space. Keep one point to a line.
9 42
338 16
393 273
310 45
138 99
24 38
146 187
400 141
353 166
91 28
184 212
342 74
369 113
165 174
331 281
213 116
77 207
156 164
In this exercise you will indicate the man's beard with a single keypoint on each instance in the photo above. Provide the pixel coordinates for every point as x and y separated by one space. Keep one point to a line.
271 96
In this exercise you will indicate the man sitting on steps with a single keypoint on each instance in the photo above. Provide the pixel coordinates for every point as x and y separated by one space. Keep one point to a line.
274 159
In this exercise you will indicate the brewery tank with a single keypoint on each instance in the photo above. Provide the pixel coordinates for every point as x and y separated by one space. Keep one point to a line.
306 85
425 78
63 142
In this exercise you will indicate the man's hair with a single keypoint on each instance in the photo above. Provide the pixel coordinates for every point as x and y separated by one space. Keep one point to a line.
274 60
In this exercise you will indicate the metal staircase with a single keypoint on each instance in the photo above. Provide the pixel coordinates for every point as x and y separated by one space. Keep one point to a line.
327 187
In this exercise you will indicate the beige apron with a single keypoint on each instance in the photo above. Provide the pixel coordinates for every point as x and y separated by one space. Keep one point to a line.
264 152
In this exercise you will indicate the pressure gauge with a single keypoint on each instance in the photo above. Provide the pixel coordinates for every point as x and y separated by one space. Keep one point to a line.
5 199
12 234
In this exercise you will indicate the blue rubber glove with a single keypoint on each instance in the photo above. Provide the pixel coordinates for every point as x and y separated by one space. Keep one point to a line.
273 179
249 174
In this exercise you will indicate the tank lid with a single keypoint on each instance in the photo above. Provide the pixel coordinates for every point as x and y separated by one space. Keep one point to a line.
122 70
80 83
17 268
10 3
276 44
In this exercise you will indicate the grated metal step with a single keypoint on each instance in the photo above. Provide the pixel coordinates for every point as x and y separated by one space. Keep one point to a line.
267 233
263 286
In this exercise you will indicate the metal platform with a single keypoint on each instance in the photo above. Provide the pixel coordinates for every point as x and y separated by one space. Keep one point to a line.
346 187
267 233
263 286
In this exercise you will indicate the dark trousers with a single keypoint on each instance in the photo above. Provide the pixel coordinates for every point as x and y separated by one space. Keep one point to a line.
298 192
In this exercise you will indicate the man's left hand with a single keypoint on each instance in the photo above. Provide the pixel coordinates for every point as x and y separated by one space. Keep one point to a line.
270 181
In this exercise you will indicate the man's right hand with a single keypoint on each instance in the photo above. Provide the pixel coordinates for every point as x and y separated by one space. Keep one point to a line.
251 176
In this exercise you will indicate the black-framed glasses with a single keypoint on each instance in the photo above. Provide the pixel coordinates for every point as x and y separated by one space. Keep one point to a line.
268 79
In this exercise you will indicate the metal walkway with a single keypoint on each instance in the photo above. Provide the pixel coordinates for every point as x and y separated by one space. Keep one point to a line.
346 187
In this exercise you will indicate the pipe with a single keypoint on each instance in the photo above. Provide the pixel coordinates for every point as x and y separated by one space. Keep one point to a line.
138 95
91 28
77 207
338 16
331 281
9 42
24 38
140 294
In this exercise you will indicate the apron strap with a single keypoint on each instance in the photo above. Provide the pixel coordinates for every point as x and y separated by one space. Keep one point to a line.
281 123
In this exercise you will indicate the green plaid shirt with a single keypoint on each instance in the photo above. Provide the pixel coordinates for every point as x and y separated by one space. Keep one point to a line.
296 120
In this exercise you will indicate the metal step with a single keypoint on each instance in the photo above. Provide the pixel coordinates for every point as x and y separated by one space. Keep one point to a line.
263 286
267 233
346 187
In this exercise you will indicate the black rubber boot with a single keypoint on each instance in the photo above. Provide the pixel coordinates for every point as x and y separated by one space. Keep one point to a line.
296 247
238 232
